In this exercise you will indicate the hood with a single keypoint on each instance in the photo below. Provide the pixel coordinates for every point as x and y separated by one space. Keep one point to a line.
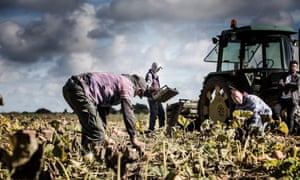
155 67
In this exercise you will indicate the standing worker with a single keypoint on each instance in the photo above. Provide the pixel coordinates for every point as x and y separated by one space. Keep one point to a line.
289 99
91 95
156 108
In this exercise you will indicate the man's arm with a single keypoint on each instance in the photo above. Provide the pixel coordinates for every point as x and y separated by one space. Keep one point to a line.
148 80
129 119
128 116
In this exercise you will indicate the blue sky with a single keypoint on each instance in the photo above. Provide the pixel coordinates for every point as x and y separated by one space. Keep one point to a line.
43 43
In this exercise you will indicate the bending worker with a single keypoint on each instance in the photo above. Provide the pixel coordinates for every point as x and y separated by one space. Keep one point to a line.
250 102
91 95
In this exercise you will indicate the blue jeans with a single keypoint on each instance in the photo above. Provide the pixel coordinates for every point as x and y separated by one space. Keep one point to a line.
156 111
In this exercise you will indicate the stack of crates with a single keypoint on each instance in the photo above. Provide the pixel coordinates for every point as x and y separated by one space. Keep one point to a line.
186 108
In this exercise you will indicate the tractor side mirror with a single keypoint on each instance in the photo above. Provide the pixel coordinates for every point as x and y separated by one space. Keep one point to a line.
215 40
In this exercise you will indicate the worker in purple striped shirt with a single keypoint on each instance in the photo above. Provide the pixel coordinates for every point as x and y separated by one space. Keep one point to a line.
91 95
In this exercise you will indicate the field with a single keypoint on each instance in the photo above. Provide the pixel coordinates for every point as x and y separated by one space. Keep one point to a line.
215 152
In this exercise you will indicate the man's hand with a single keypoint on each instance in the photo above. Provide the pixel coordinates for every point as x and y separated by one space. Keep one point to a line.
154 89
138 144
109 141
281 82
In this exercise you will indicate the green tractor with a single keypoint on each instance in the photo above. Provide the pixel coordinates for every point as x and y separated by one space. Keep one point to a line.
250 58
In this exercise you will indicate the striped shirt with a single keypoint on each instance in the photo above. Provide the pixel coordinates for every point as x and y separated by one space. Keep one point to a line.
106 89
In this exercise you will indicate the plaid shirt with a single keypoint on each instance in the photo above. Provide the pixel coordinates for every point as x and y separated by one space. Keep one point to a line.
106 89
255 104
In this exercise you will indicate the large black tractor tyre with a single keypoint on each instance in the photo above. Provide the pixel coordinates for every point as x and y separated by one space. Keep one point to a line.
215 102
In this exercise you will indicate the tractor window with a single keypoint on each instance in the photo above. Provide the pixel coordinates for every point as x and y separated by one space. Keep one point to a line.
230 58
230 53
212 55
291 52
264 53
254 56
273 55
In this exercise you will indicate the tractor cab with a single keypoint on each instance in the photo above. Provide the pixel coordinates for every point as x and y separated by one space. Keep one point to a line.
252 58
255 51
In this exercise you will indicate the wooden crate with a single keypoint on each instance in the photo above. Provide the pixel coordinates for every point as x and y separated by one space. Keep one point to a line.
164 94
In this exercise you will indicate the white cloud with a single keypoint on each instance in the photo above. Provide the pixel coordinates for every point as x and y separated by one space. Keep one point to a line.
279 18
119 45
10 35
78 62
296 16
52 89
8 72
126 36
85 20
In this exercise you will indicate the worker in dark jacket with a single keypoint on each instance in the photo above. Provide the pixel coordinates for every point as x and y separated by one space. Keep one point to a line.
91 95
289 99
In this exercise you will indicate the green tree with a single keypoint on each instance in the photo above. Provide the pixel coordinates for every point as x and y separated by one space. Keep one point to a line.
140 108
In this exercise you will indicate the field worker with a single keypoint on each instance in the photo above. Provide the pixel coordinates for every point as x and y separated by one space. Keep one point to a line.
156 108
252 103
91 95
289 85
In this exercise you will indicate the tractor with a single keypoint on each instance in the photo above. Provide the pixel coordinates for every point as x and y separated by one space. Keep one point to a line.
250 58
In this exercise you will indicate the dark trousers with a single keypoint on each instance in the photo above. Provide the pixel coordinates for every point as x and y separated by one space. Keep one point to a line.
291 110
156 111
92 119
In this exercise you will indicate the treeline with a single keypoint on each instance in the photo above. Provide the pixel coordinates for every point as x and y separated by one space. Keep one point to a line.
138 108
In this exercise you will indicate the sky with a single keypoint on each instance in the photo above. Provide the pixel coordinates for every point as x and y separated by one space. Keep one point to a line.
44 42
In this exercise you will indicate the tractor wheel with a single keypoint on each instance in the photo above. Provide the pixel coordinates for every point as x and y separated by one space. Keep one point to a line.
215 102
